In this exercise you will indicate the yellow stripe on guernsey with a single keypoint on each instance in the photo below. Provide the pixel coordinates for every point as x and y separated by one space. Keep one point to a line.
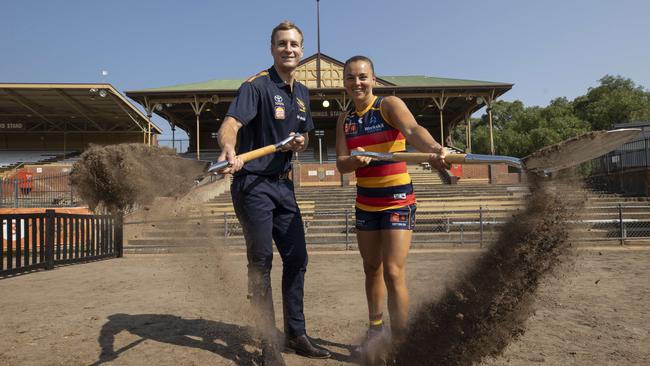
385 181
390 146
261 73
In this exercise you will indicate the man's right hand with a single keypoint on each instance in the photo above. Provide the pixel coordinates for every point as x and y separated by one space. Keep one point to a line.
234 162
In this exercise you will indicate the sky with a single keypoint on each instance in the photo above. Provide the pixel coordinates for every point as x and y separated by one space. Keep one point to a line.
547 49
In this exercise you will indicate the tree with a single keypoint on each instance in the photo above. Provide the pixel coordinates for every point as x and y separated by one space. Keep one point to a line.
615 100
519 130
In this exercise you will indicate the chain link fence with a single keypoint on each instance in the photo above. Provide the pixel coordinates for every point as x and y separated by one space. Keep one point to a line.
619 223
52 190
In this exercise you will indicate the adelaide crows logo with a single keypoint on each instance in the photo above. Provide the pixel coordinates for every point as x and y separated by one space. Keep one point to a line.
350 128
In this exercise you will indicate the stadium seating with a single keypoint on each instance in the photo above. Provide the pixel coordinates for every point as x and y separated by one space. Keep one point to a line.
10 159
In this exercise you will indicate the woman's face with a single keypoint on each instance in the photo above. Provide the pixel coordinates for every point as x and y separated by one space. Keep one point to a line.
359 80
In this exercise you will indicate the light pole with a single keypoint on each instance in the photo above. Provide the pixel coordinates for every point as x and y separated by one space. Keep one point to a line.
320 134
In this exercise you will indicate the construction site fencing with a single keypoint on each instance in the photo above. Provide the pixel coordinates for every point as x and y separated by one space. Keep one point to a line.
52 190
618 223
44 240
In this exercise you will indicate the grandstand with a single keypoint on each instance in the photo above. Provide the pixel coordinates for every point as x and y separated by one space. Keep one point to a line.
45 127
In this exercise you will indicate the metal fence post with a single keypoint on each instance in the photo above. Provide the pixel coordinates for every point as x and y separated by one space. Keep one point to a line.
118 234
621 224
347 230
49 239
225 226
15 192
480 220
461 235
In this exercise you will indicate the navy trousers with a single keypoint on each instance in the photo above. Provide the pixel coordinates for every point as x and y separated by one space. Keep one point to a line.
267 211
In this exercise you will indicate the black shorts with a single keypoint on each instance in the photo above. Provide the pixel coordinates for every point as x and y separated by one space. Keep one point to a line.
402 218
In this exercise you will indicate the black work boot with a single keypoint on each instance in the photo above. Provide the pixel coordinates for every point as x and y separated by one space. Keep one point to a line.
303 346
271 355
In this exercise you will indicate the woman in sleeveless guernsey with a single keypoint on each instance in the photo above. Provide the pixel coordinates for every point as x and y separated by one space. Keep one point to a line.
385 202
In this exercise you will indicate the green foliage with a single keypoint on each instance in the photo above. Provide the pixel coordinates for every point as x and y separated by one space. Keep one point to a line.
615 100
519 130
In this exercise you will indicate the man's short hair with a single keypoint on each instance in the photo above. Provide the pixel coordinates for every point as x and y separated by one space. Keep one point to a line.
359 58
286 25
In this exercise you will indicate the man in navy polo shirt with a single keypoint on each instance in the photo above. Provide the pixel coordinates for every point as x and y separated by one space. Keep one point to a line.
269 107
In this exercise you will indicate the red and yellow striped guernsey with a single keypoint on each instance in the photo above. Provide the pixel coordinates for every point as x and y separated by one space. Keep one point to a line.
381 185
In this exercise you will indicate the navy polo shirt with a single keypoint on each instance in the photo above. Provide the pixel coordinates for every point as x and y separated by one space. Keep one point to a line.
269 111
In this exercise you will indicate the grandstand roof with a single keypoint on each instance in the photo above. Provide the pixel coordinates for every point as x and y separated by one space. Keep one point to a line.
68 107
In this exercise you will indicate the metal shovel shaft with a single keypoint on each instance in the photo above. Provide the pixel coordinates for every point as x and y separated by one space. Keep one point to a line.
449 158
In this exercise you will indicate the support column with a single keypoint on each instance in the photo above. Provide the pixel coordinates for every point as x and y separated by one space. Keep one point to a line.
148 106
343 103
489 110
440 103
488 102
198 108
174 137
468 133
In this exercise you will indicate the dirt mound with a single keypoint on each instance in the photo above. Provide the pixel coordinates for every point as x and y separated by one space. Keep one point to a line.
486 308
116 177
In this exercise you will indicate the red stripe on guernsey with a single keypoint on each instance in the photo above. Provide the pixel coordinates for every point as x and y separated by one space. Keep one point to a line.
374 138
386 201
381 170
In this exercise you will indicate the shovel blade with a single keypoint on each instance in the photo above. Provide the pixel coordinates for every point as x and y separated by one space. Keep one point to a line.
577 150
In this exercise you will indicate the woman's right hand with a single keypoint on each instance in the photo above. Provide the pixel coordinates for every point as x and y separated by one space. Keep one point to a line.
361 161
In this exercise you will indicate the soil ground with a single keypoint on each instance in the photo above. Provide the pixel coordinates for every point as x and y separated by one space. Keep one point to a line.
191 309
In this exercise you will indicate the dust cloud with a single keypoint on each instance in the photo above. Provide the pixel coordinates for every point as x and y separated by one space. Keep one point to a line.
486 308
117 177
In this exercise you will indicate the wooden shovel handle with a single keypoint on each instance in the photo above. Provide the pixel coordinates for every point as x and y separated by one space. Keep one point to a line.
257 153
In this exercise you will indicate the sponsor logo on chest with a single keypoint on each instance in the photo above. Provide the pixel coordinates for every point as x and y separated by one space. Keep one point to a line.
279 112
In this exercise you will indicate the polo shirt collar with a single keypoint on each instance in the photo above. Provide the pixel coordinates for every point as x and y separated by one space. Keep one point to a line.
275 77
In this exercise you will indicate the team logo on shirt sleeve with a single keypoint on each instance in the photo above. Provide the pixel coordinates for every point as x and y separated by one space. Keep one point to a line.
301 105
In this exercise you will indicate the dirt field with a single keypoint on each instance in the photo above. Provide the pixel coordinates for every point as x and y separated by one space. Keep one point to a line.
182 309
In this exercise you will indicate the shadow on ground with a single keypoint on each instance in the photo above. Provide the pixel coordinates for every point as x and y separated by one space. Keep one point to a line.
226 340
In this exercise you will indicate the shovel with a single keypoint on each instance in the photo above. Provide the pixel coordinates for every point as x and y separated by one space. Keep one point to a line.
544 161
213 169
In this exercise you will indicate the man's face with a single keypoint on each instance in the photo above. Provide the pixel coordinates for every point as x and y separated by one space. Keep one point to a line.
287 49
358 80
